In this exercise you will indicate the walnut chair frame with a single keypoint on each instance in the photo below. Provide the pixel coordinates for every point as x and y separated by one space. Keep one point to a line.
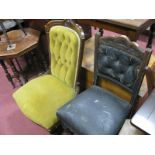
47 118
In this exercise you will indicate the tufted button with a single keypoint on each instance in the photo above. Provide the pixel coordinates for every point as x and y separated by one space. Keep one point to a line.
59 62
63 37
66 46
60 42
66 67
55 35
117 66
110 72
68 39
121 77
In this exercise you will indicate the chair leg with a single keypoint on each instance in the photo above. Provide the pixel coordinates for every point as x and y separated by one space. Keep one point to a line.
15 71
19 66
7 73
67 132
57 129
24 77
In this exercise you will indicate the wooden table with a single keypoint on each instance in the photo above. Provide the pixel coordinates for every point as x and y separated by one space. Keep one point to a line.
145 116
129 27
23 44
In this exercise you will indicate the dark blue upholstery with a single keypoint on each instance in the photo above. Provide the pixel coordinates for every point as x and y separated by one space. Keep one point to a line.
114 63
118 62
95 111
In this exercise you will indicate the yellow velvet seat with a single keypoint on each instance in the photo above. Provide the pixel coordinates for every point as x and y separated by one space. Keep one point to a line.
41 97
51 94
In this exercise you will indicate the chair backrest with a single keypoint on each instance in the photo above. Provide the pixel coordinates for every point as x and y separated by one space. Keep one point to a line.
66 47
120 61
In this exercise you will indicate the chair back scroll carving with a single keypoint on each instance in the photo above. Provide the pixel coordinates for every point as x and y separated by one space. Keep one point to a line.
120 61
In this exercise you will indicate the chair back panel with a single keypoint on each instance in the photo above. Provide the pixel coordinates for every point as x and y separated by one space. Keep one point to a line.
65 50
119 60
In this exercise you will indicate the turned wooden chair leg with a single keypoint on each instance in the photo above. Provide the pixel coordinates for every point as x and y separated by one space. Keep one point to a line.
18 64
7 73
15 71
21 70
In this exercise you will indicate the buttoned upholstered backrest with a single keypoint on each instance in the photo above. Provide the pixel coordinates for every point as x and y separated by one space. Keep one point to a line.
65 50
121 61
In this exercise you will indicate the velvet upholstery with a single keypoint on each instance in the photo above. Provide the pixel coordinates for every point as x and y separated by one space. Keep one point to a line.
40 98
41 108
64 48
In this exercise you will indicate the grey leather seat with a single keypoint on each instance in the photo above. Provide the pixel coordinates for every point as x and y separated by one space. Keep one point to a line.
95 111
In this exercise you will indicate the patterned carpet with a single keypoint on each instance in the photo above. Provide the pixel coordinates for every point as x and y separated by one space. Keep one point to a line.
12 121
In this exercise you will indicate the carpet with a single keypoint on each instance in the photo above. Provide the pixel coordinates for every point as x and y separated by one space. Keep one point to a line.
12 121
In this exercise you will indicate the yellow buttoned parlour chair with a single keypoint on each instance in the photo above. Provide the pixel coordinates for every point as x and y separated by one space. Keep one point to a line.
40 98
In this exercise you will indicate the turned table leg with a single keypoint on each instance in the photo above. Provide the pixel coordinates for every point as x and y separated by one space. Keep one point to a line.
101 31
152 33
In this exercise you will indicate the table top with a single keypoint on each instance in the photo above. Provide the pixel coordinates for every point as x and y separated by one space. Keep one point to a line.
23 43
145 116
135 24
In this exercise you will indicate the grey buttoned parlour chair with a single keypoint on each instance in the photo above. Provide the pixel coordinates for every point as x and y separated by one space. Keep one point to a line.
96 110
